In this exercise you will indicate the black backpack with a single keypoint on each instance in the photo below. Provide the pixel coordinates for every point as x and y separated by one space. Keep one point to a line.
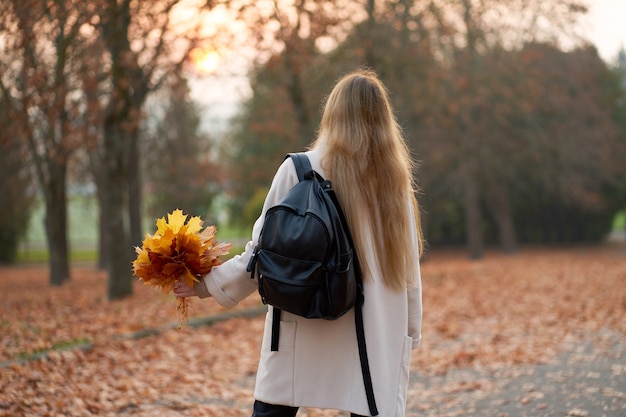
306 262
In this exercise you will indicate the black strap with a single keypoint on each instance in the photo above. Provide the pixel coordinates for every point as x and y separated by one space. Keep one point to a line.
303 166
358 313
365 366
302 163
275 328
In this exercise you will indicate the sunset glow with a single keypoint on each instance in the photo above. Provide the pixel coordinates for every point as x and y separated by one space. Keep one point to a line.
205 61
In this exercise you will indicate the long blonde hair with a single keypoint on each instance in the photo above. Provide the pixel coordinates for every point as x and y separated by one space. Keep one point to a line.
369 164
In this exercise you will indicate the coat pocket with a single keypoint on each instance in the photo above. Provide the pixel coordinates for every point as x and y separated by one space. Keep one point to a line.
275 376
287 339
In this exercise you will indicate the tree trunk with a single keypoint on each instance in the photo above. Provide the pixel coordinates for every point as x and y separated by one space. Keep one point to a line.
501 210
56 223
473 217
114 161
370 56
293 66
117 242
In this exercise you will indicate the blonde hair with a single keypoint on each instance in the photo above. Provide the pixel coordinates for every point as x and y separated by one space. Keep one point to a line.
368 161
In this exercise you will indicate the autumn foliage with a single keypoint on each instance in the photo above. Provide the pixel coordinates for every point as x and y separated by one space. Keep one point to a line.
70 351
179 249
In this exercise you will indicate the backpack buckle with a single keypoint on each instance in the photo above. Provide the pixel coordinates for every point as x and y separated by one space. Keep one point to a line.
252 262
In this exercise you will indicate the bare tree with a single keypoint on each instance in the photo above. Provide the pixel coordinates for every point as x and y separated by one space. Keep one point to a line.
143 48
41 42
15 186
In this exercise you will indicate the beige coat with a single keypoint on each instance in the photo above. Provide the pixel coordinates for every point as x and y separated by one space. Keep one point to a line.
317 362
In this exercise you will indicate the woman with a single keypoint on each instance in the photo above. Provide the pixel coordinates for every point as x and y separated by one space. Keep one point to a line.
360 148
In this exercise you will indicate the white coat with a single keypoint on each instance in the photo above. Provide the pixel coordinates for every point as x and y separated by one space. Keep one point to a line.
317 362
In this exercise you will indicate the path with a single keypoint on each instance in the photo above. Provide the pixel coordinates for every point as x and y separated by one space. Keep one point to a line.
587 380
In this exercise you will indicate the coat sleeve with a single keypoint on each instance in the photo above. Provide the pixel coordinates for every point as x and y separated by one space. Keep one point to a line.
230 282
415 314
415 294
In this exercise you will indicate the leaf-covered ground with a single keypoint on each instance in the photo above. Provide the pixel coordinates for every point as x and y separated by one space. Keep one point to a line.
541 333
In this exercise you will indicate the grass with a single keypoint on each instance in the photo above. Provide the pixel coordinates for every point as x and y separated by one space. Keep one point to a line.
83 233
38 256
63 345
83 230
619 223
42 256
32 256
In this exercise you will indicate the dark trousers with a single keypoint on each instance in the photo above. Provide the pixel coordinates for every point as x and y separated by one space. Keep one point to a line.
262 409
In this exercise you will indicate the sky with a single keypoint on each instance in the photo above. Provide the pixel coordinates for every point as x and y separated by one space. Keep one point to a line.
606 27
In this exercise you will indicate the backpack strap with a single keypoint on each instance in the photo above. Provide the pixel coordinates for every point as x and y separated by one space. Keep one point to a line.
302 163
358 314
303 166
275 328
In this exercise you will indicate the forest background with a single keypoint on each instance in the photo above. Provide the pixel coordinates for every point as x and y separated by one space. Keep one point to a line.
518 125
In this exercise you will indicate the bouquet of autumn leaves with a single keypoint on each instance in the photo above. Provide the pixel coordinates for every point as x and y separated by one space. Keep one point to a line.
178 251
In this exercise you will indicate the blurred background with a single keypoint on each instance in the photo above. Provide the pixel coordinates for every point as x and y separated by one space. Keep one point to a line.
115 113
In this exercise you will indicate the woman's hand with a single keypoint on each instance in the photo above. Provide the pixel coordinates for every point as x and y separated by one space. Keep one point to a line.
182 289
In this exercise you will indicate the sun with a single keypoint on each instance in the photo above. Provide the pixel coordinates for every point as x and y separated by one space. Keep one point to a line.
205 61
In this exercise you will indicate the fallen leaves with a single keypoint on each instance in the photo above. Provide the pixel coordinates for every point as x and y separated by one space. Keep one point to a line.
507 310
492 315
